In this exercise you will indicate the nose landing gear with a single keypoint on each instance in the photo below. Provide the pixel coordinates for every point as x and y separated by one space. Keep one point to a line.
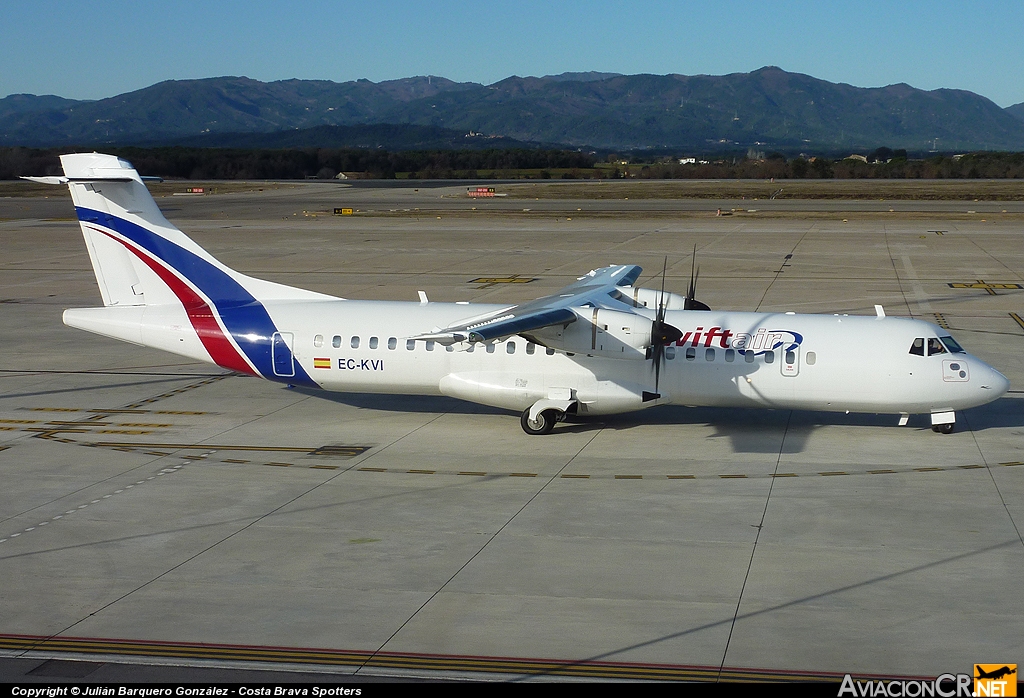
943 422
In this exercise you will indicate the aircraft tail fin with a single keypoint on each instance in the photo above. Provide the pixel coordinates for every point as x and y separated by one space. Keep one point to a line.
138 256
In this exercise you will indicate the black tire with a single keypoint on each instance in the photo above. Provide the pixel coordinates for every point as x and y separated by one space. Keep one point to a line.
544 424
943 428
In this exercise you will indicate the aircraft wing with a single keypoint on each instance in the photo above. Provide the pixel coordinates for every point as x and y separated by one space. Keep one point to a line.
596 289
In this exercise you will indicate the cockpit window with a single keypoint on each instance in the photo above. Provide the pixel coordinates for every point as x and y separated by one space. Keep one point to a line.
917 348
952 345
935 347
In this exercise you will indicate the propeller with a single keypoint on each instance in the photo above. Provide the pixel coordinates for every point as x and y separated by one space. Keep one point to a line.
692 303
662 334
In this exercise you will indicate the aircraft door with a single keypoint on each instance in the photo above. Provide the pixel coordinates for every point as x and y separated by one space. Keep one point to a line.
281 349
790 361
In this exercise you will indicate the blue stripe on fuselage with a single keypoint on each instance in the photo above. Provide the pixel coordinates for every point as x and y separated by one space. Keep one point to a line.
243 316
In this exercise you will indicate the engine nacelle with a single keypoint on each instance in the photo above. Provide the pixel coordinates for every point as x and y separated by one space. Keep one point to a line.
649 297
600 332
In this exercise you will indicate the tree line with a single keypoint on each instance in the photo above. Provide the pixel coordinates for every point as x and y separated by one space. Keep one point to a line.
882 163
301 163
325 163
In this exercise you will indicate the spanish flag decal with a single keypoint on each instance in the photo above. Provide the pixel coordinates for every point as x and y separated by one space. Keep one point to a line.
321 363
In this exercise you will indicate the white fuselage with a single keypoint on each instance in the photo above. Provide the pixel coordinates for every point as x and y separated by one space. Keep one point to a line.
835 363
589 348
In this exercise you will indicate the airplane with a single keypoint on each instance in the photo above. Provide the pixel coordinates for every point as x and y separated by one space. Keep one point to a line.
995 674
599 346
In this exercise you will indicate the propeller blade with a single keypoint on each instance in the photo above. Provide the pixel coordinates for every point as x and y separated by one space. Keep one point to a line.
693 276
691 303
659 354
662 334
661 295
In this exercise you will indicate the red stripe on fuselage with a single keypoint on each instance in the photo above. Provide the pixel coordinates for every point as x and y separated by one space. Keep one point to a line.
199 314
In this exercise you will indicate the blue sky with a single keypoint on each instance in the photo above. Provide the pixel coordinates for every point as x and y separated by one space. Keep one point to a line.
90 50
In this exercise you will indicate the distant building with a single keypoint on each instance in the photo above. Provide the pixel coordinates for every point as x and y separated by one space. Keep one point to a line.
857 157
687 161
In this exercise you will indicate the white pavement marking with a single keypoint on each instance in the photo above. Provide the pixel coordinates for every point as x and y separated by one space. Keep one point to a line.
165 471
915 284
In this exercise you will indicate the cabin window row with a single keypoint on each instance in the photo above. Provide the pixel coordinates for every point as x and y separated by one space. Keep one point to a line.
690 353
354 342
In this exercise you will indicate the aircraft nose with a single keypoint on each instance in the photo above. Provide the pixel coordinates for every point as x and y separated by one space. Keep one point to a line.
995 384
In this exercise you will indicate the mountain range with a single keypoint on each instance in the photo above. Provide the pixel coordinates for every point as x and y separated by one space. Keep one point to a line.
767 109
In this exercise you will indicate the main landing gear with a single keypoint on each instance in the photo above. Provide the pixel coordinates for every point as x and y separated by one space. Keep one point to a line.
943 428
540 418
542 424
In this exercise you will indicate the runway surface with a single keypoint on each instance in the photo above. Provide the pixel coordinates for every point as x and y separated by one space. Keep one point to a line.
156 511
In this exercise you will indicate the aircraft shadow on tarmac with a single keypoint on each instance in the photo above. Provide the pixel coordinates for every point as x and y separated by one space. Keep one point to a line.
753 430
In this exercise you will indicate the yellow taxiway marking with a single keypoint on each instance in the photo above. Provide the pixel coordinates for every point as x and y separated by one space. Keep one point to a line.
989 288
524 666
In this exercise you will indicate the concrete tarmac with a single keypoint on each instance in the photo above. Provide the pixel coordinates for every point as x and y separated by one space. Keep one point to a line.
156 511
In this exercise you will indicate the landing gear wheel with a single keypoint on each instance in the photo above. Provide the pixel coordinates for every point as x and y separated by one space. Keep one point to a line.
544 423
943 428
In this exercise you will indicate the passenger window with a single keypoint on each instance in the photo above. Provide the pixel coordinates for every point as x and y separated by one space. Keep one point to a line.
730 355
691 353
410 344
510 347
769 357
430 345
935 347
490 348
670 353
810 358
392 342
748 356
318 340
530 347
709 354
917 348
354 343
373 342
336 342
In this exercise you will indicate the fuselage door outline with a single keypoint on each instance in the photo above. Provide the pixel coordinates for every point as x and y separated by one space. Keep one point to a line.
790 360
284 361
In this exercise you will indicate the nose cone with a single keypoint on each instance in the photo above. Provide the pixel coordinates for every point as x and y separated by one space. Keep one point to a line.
995 384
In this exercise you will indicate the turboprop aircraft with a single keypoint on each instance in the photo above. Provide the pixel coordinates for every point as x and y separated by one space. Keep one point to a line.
599 346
